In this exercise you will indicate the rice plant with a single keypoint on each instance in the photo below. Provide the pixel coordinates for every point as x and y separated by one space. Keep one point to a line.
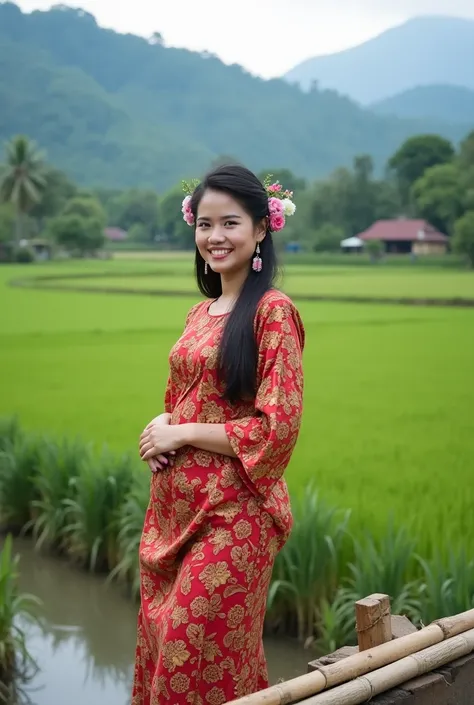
130 531
17 666
20 458
60 464
309 568
447 585
92 513
385 565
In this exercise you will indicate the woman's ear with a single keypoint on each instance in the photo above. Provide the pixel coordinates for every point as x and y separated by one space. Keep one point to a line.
261 230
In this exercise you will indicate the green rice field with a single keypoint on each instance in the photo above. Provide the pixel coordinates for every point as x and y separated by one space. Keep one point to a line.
388 426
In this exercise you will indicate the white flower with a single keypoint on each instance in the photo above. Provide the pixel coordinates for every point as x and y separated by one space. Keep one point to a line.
289 207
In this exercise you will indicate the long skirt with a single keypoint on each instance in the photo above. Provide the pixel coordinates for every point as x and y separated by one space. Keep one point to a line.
201 618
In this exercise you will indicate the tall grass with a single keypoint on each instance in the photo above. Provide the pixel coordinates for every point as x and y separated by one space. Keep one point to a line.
89 507
16 664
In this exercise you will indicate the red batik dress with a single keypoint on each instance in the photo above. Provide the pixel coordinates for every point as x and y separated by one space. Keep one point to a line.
214 523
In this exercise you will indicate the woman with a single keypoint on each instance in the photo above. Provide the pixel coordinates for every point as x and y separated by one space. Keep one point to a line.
219 509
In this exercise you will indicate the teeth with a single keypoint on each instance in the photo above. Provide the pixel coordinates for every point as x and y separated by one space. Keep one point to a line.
220 252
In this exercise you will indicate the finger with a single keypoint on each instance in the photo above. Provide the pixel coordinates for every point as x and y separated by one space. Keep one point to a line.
147 451
150 453
162 459
146 442
154 466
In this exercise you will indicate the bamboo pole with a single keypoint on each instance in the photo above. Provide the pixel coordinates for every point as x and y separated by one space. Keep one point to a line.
360 663
365 688
373 624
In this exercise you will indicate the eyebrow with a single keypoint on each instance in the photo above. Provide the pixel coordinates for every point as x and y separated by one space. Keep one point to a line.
224 217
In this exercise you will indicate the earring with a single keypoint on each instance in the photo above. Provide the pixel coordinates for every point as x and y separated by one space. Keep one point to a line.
205 267
257 263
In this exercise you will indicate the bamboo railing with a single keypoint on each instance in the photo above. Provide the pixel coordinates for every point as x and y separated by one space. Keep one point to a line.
387 663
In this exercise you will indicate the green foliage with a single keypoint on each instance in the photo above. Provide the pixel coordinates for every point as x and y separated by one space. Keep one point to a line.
415 156
328 238
22 179
57 191
16 663
326 565
463 241
375 248
175 230
7 222
438 196
135 208
80 226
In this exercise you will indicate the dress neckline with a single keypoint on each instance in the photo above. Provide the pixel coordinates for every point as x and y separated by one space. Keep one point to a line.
215 315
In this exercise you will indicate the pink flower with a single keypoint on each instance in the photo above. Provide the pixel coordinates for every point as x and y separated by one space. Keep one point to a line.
275 187
187 212
275 206
277 222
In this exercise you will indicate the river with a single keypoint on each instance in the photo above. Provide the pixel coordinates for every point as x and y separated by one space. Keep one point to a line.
85 647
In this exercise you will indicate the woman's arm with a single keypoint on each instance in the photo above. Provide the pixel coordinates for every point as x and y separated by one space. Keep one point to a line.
211 437
158 439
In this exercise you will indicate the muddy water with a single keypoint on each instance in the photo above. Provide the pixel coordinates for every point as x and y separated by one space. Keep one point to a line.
85 648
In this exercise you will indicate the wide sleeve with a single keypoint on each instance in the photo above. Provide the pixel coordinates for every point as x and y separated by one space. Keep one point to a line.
264 442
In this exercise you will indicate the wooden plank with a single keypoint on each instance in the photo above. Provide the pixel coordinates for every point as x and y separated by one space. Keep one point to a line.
373 624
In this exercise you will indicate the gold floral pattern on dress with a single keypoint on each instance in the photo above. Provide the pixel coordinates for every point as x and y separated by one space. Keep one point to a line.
215 524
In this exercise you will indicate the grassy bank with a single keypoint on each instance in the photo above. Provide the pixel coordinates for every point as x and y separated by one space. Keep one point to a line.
88 507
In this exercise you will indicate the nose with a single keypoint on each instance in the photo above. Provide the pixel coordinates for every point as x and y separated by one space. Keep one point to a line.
216 235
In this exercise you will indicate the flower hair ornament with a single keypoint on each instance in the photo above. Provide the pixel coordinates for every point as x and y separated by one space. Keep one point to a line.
280 203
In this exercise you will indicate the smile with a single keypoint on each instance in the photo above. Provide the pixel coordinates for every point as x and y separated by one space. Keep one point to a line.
219 253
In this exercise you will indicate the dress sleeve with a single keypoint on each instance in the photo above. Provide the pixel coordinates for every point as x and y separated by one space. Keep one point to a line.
265 441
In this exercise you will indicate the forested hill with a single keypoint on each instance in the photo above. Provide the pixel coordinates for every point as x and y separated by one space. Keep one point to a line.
119 110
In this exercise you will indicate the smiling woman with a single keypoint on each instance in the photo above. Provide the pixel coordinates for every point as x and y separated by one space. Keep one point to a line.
219 510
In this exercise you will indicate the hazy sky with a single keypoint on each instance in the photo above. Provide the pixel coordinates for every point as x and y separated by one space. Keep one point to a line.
265 36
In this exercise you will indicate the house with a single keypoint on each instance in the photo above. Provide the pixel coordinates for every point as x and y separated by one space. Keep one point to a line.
115 234
407 236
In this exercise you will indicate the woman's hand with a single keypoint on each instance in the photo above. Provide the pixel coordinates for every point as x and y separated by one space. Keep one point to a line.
161 461
160 439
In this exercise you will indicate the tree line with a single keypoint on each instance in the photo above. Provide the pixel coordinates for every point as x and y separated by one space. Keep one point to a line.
425 178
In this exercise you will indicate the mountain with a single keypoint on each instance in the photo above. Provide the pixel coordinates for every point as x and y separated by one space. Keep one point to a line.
422 51
118 110
452 104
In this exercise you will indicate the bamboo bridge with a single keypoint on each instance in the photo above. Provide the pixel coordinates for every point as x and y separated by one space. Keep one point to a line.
394 664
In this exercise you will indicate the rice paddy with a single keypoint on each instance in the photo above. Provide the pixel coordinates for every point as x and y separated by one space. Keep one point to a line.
388 428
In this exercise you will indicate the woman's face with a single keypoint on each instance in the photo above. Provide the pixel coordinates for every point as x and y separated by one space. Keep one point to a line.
226 236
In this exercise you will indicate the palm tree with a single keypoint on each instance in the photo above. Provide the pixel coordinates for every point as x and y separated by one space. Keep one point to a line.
22 179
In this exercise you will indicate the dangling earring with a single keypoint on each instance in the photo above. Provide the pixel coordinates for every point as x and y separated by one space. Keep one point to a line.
205 267
257 263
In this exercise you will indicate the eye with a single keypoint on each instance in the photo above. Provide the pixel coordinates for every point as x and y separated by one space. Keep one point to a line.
230 222
203 225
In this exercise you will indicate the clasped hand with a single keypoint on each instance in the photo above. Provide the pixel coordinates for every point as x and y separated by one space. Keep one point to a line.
159 442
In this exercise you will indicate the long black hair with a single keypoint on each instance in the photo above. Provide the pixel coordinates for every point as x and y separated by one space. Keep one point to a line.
238 352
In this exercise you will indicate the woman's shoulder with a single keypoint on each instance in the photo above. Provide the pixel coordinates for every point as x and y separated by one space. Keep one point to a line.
275 307
273 300
196 310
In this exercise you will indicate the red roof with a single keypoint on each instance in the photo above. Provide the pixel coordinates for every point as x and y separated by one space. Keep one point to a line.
115 234
403 229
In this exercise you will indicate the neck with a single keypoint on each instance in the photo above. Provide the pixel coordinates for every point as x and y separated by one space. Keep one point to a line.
232 284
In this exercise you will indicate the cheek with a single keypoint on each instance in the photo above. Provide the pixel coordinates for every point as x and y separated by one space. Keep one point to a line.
200 238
